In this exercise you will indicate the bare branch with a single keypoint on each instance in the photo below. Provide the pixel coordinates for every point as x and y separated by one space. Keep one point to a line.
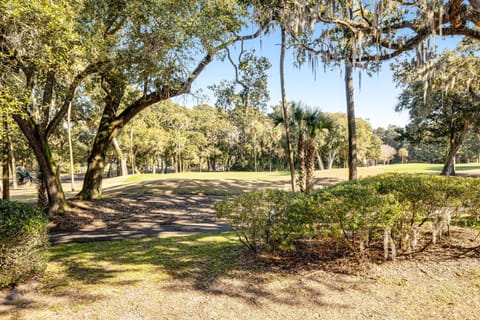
90 69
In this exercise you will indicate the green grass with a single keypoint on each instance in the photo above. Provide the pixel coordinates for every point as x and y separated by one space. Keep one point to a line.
232 183
470 221
413 168
114 263
235 175
426 167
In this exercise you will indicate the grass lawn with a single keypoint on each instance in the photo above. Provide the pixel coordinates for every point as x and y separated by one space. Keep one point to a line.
210 277
231 183
115 263
227 183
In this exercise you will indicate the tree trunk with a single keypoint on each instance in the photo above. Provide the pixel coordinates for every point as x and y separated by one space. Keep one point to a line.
132 155
70 148
13 166
284 108
454 145
92 182
301 162
310 166
122 161
352 135
254 150
331 159
5 160
110 168
41 150
319 161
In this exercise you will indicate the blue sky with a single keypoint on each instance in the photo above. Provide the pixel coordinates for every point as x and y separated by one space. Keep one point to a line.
374 101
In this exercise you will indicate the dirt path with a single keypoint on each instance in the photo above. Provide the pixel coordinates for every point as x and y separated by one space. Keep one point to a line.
129 217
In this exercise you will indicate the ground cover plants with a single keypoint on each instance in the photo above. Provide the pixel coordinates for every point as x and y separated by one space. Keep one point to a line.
405 212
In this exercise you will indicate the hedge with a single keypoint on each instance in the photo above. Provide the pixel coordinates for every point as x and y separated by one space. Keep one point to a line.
392 209
23 242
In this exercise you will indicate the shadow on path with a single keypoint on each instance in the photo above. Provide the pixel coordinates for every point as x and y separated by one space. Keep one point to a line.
133 217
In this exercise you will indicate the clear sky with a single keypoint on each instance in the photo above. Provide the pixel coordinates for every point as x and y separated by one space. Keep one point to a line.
374 101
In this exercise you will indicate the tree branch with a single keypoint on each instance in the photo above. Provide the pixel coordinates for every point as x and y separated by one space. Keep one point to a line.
90 69
165 93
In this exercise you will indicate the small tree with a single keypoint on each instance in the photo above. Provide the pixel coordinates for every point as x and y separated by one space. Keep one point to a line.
403 154
388 152
307 124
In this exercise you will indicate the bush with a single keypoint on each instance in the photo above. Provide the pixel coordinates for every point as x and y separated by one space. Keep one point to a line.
23 241
355 212
395 207
267 220
391 210
436 200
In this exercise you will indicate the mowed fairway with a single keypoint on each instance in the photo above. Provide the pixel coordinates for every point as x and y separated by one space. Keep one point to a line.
231 183
211 276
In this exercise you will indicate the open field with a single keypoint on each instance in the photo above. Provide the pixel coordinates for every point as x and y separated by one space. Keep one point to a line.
211 276
225 183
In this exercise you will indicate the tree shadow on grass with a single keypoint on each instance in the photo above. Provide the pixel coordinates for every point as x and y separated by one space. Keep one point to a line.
146 210
14 302
205 263
209 265
213 187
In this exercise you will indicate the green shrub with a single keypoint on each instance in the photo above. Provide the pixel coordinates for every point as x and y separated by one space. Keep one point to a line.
354 211
23 241
267 220
428 199
395 207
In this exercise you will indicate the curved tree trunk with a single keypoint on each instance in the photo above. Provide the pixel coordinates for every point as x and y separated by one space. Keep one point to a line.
112 121
454 145
284 109
352 135
92 183
107 130
70 147
41 150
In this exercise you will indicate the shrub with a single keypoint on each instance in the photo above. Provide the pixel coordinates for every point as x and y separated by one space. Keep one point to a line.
394 207
436 200
356 212
23 241
267 220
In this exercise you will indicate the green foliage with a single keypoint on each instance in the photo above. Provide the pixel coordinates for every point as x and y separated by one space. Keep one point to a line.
23 241
354 207
398 208
334 146
267 220
442 100
395 207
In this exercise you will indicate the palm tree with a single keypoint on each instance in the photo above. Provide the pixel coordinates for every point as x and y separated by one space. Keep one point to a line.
307 123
